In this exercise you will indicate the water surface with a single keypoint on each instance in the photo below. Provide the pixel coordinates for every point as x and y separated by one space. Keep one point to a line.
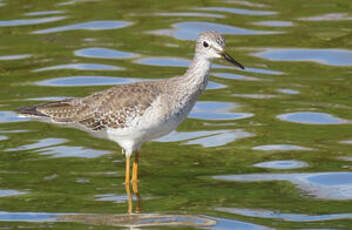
267 147
313 118
93 25
337 57
327 185
238 11
104 53
80 66
24 22
190 30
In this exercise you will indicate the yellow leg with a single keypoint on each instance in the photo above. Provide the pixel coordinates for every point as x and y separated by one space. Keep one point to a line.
127 184
127 173
135 181
135 168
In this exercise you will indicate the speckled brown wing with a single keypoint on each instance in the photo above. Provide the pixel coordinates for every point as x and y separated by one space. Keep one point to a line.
110 108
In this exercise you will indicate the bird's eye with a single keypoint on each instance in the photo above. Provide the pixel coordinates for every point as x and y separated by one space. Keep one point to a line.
205 44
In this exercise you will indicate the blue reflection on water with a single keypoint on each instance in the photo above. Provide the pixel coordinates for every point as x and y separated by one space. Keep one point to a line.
28 216
190 30
280 147
10 192
262 213
81 66
236 76
274 23
8 116
39 144
216 111
336 57
324 185
23 22
85 81
262 71
14 57
189 14
49 12
209 138
104 53
284 164
238 11
288 91
332 179
313 118
228 224
94 25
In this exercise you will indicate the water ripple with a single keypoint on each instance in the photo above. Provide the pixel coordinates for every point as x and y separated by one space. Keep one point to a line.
288 91
262 71
274 23
10 192
23 22
207 110
284 164
15 57
238 11
71 151
39 144
86 81
191 30
247 3
114 198
335 57
324 185
49 12
94 25
280 147
209 138
81 66
329 17
312 118
255 96
262 213
8 116
228 224
236 77
104 53
189 14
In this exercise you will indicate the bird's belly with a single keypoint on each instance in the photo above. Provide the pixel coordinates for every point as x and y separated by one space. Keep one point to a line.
145 129
148 127
157 121
163 128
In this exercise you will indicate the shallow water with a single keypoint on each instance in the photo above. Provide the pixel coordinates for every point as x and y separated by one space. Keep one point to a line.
94 25
268 147
190 30
328 185
336 57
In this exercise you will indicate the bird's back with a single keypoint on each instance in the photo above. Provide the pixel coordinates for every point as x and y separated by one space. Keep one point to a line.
111 108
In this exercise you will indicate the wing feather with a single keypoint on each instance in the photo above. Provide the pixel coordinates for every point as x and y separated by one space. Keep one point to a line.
110 108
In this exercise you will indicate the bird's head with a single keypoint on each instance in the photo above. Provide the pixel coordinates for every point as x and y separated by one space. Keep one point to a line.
211 45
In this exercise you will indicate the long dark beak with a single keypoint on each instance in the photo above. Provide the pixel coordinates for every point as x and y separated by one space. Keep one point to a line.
230 59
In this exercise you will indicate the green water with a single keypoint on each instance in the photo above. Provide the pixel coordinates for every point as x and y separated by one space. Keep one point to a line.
62 170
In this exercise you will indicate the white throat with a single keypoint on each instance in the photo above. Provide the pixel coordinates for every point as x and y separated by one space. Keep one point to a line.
198 72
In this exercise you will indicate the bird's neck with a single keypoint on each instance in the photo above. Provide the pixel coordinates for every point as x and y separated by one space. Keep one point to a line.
186 89
196 77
